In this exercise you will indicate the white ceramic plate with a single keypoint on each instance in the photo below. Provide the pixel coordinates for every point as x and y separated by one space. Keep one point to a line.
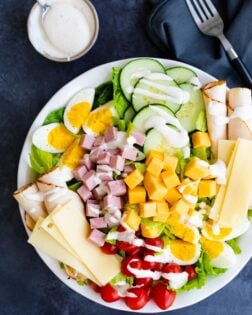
93 78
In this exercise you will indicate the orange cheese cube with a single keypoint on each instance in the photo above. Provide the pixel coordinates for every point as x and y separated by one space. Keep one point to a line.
134 179
207 188
156 154
137 195
172 196
170 162
197 169
162 210
155 166
132 219
200 139
155 187
180 206
170 179
147 209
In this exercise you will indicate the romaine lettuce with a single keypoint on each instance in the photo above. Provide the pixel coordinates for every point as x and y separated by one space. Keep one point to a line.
235 246
121 277
55 116
103 94
120 101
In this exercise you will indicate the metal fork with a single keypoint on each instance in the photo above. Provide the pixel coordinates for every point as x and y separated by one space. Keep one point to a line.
210 23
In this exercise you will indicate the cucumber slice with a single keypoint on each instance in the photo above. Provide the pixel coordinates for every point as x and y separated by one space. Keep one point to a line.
153 92
145 113
155 141
192 114
135 70
181 74
129 114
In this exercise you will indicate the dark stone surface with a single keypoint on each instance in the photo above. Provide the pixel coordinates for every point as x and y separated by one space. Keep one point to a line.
27 81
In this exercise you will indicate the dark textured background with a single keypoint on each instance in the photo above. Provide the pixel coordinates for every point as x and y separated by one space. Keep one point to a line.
27 81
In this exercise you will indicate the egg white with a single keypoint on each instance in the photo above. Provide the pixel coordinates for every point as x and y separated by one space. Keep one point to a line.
85 95
226 258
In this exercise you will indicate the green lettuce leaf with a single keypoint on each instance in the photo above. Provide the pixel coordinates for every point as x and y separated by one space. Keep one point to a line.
113 242
121 277
153 225
55 116
41 161
182 162
201 123
119 123
249 213
74 185
140 166
202 153
120 101
103 94
235 246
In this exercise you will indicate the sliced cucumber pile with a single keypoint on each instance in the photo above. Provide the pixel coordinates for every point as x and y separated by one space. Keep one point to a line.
155 141
192 114
135 70
129 114
145 113
181 74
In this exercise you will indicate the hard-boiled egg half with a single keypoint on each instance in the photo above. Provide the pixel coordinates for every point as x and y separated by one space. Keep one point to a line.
216 233
100 119
220 253
185 231
78 109
53 138
184 253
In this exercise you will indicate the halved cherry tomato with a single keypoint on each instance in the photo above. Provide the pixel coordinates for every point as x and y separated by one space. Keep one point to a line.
109 249
144 282
191 272
95 287
126 261
157 242
172 268
148 265
159 266
127 247
137 302
109 294
121 229
162 296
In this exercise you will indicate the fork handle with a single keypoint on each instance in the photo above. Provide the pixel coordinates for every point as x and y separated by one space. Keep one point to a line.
240 67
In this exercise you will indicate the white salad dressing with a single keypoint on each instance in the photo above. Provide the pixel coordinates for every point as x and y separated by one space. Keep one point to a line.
195 81
176 280
219 170
65 30
158 76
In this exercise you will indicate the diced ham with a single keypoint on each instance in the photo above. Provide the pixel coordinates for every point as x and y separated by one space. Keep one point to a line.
92 202
103 168
91 180
128 169
117 187
87 141
112 201
92 210
98 223
103 158
100 191
105 176
97 237
139 137
87 162
114 151
99 141
129 153
117 162
94 154
110 134
84 193
80 172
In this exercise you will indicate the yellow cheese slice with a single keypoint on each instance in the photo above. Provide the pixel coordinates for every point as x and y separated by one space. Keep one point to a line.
41 240
75 229
225 150
239 186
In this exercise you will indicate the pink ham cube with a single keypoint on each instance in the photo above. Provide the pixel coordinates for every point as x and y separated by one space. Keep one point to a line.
139 137
117 187
103 168
92 210
87 141
110 134
99 141
129 153
103 158
112 201
100 191
105 176
97 237
91 180
80 172
84 193
98 223
117 162
94 154
114 151
128 169
87 162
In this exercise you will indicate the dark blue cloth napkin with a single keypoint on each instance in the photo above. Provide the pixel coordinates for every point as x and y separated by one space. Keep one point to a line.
173 30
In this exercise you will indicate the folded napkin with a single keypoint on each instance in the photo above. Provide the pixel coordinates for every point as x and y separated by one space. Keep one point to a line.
173 30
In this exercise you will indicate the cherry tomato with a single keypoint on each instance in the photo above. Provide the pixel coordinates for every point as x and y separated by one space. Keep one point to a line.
162 296
124 265
135 303
109 294
127 247
172 268
149 292
148 265
121 229
191 272
144 282
159 266
109 249
95 287
157 242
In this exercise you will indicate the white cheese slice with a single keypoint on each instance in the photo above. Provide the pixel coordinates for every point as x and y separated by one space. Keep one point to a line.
74 227
225 150
41 240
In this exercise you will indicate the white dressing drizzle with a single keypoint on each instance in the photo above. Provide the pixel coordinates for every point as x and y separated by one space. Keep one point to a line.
218 170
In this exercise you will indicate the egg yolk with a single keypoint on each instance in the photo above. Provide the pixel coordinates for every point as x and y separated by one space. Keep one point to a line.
72 155
60 138
99 120
212 248
181 230
220 236
78 113
183 250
